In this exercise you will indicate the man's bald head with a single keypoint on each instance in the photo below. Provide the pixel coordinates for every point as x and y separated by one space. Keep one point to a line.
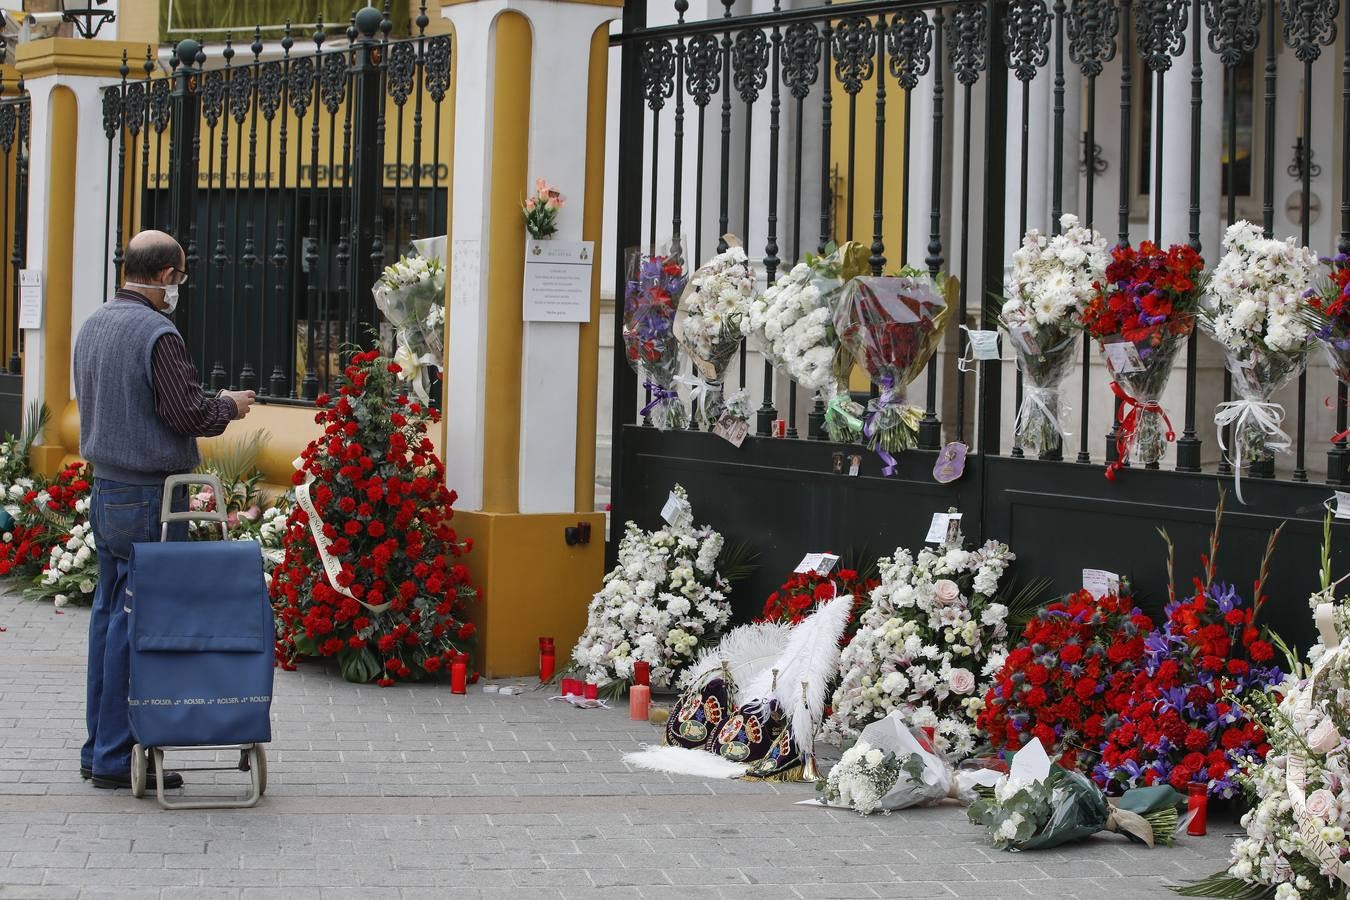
150 258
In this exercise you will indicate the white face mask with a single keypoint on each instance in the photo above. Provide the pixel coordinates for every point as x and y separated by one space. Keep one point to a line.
170 294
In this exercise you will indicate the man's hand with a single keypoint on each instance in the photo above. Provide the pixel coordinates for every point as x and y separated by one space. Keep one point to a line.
243 401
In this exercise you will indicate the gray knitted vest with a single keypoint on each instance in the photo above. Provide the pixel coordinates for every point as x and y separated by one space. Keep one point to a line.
120 431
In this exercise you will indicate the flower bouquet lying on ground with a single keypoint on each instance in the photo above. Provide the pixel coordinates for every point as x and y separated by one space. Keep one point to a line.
1258 309
655 282
1039 804
709 326
793 324
1051 283
891 326
893 766
1140 318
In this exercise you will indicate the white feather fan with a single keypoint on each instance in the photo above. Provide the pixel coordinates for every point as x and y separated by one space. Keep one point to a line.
812 656
749 650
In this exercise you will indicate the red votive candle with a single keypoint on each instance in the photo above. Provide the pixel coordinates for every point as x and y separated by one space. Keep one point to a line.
592 691
1197 803
642 673
546 660
459 674
639 701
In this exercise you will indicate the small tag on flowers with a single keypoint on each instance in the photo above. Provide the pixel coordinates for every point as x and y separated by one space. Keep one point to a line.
676 510
943 528
1123 357
1340 505
731 429
1101 583
819 563
1024 338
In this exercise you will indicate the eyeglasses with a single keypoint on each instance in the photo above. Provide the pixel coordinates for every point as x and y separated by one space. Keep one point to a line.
182 280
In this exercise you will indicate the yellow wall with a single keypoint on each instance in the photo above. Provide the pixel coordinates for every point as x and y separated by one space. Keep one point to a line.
864 164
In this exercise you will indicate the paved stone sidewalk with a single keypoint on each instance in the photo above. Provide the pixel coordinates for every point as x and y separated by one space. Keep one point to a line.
414 792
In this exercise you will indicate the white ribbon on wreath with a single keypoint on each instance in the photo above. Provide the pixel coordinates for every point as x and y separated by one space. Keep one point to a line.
413 368
331 567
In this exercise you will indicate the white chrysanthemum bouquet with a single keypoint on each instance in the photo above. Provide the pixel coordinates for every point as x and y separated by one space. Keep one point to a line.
411 295
792 323
928 645
71 573
664 601
709 324
1051 283
1256 307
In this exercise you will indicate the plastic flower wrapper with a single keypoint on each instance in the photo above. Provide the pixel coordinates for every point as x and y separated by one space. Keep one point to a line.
792 323
1039 804
655 282
410 293
708 325
1141 316
893 766
1330 312
891 326
1257 308
1051 282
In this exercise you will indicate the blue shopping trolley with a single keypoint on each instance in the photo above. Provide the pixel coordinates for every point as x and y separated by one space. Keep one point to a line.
203 643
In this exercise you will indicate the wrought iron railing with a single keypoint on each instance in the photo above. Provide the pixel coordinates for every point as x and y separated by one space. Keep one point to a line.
803 90
291 174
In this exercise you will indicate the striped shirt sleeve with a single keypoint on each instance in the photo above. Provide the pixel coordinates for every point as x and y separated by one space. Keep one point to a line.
179 398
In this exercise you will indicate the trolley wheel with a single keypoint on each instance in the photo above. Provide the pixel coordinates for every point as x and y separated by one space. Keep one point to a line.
259 762
138 771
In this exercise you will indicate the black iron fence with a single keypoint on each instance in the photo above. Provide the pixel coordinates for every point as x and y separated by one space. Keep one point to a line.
291 174
784 131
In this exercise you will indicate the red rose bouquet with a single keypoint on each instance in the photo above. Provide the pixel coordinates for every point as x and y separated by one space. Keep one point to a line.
891 327
1140 317
1079 661
799 594
386 594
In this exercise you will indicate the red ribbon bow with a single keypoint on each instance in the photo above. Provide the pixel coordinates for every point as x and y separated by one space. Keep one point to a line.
1127 418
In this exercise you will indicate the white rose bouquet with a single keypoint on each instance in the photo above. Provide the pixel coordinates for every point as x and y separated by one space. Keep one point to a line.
71 573
411 294
1051 282
892 767
708 325
792 323
664 601
928 646
1257 307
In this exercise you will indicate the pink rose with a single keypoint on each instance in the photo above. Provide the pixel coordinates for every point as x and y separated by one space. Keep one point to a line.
1324 738
961 681
946 591
1322 804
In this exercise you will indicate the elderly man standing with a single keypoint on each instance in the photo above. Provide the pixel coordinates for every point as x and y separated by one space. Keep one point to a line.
142 409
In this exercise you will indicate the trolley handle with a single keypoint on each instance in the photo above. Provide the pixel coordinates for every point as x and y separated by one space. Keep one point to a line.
167 515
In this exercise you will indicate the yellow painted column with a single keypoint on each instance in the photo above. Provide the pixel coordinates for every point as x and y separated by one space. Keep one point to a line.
66 203
520 397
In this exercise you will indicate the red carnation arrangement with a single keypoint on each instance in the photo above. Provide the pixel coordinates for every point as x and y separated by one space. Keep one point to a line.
1182 725
796 597
1079 661
47 514
378 487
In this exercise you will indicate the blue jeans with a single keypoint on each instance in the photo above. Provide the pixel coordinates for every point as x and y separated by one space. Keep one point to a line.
121 515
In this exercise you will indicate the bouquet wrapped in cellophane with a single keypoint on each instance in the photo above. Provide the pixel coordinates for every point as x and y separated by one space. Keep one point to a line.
1257 308
792 323
893 766
1040 804
1141 316
891 326
708 325
1051 282
655 282
411 294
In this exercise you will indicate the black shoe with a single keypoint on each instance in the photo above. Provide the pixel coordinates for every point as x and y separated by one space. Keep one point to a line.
86 773
110 782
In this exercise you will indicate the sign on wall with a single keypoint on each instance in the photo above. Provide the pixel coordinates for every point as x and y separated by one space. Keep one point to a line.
558 281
